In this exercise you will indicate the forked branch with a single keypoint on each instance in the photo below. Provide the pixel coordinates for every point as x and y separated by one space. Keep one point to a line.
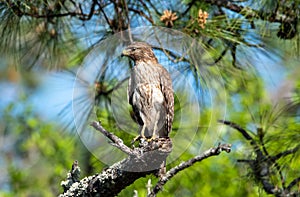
148 158
172 172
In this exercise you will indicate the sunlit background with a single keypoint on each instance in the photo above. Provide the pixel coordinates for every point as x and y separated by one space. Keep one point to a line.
59 74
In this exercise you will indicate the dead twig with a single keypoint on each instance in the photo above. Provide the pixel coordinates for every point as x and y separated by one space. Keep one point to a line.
116 141
172 172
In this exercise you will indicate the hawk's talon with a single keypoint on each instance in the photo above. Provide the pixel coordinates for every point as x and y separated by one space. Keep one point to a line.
137 138
153 138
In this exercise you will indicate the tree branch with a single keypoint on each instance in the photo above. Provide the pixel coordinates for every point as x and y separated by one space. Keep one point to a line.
78 13
293 183
141 13
172 172
251 13
148 158
285 153
141 161
108 21
262 165
237 127
116 141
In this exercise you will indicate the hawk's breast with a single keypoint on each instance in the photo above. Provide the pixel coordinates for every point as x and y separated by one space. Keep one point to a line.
146 88
157 95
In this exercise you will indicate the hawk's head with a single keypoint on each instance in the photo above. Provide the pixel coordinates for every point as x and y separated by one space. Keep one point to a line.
140 52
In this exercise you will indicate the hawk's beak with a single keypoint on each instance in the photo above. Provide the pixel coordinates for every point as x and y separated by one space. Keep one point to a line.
124 53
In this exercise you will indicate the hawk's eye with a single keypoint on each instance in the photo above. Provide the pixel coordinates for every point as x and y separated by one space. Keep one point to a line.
133 49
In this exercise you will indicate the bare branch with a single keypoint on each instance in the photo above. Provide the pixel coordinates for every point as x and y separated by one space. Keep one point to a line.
148 158
141 13
172 172
143 160
237 127
117 142
128 20
91 13
72 176
108 21
146 8
154 8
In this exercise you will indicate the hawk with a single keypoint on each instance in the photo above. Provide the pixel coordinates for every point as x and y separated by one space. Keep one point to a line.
150 92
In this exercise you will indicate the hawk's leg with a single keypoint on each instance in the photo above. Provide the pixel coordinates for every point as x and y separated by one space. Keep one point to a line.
155 134
141 135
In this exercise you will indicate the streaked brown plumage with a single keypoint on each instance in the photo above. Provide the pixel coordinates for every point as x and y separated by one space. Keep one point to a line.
150 92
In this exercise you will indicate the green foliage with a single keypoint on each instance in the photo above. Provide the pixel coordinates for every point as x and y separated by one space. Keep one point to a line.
236 38
42 154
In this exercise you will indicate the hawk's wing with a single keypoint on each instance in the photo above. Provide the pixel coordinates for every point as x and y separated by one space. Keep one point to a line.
129 91
167 90
136 111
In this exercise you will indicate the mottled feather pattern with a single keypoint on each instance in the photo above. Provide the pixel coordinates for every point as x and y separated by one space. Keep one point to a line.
150 91
167 90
